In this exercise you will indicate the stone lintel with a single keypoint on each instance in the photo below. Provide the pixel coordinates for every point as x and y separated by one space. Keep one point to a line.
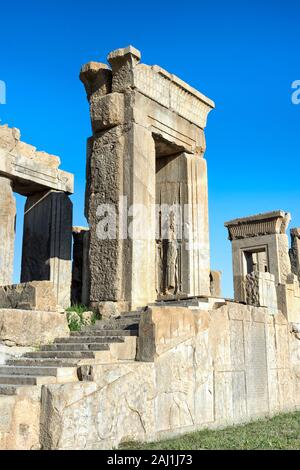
268 223
159 85
30 170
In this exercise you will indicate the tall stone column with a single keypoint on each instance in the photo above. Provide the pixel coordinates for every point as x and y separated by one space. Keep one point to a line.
7 231
47 242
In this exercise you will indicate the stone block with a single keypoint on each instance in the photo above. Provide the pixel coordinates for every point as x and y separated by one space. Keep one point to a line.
162 328
95 415
107 111
20 420
30 170
97 78
7 229
31 328
215 283
35 295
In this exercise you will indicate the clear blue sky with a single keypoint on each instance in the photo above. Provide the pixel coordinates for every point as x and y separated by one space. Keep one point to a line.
242 54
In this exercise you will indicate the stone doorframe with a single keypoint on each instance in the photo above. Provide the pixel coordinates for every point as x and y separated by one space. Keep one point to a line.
140 113
47 235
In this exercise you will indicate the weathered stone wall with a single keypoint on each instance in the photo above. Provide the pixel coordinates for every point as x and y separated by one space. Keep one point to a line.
196 369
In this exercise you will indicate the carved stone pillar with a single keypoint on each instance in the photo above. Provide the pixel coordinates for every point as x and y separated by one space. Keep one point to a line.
294 251
7 231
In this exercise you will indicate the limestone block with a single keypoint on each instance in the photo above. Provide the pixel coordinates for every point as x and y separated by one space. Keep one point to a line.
20 420
171 92
204 379
256 368
7 230
223 398
166 126
9 137
282 341
286 386
162 328
215 283
239 398
289 298
31 328
35 295
122 62
260 290
237 311
29 169
95 415
175 403
107 111
219 339
237 346
96 78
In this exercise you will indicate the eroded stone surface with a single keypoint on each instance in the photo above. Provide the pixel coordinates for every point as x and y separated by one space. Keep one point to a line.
36 295
31 328
29 169
203 369
7 230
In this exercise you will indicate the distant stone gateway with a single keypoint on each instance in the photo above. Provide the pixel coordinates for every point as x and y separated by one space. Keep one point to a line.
168 353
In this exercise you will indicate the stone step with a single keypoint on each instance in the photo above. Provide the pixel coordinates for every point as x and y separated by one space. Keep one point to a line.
126 316
75 347
90 339
42 362
25 380
111 326
9 389
61 354
131 319
104 332
28 370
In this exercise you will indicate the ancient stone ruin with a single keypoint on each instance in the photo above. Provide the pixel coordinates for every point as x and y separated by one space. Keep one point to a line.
169 354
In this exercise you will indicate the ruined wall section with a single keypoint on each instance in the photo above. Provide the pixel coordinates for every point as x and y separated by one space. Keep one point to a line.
196 369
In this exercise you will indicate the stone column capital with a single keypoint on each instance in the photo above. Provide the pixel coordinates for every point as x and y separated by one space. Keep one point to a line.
126 54
96 77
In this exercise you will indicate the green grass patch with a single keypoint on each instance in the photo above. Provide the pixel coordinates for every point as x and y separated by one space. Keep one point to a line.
280 432
78 317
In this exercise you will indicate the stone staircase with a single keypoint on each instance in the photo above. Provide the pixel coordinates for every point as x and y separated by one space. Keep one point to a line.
60 362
